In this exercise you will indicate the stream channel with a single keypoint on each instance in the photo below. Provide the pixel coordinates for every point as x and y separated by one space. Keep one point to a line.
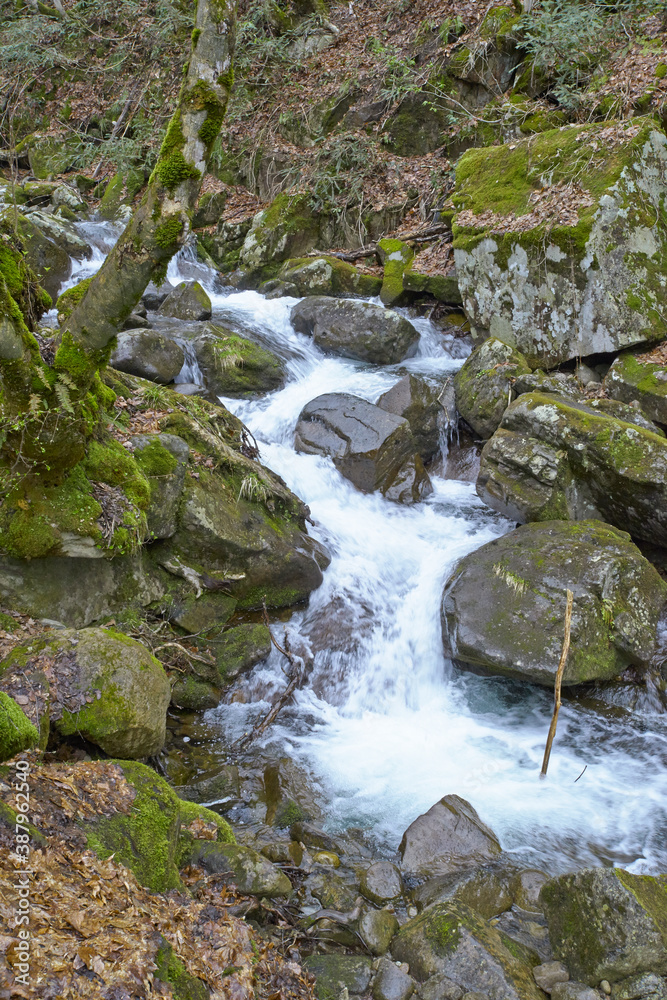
386 725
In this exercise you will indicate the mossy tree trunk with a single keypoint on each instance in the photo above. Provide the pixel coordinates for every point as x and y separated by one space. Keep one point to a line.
64 393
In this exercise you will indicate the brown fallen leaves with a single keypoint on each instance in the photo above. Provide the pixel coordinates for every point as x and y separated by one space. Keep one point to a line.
557 204
658 356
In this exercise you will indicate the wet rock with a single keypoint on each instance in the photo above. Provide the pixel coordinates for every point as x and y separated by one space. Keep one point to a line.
50 262
248 871
503 607
428 408
451 940
449 835
148 355
95 683
290 795
554 458
163 459
288 228
187 301
381 882
646 986
372 448
391 983
193 695
440 987
240 648
640 377
332 890
358 330
312 836
328 276
235 366
463 458
206 613
528 929
376 929
135 321
155 295
605 923
526 887
58 231
483 386
395 257
221 786
335 973
549 973
485 890
574 991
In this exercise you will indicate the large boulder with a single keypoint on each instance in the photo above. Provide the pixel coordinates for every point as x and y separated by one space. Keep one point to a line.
558 243
483 386
235 366
187 301
428 407
446 838
163 459
451 940
358 330
327 276
95 683
288 228
147 354
503 608
554 458
641 378
372 448
605 923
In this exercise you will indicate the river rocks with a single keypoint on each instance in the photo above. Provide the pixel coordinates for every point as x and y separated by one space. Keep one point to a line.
248 871
429 409
574 991
17 733
335 973
645 986
526 886
553 458
187 301
605 923
50 262
372 448
486 890
451 940
288 228
391 983
240 648
147 354
96 683
376 929
358 330
163 458
483 386
639 377
235 366
447 837
503 608
549 973
381 882
556 249
328 276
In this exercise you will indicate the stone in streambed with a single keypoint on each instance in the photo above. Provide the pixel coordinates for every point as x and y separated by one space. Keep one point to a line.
235 366
327 276
645 986
372 448
391 983
335 973
445 838
187 301
549 973
642 378
429 408
358 330
376 929
486 890
483 385
238 650
439 987
503 608
381 882
250 872
147 354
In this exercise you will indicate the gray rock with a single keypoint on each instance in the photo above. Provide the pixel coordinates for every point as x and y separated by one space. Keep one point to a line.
526 887
240 648
391 983
372 448
475 996
250 872
381 882
503 608
224 785
312 836
483 386
440 987
552 458
154 296
163 459
645 986
642 378
335 973
528 929
605 923
148 355
449 834
376 929
428 408
574 991
549 973
353 329
135 321
187 301
486 890
235 366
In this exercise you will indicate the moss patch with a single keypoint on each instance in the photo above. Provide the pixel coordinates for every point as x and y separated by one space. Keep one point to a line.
17 733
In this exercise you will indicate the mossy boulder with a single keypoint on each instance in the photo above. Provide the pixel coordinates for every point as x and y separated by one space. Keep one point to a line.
49 260
191 694
171 971
102 685
49 155
605 923
560 242
503 608
376 928
336 973
359 330
452 940
328 276
240 648
288 228
20 280
487 890
552 457
17 733
641 378
120 193
396 257
188 301
444 287
147 354
235 366
250 872
163 459
483 386
71 298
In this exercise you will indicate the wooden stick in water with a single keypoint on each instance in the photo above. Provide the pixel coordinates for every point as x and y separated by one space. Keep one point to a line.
559 680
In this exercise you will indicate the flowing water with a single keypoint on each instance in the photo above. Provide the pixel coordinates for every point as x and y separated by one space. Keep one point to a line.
386 724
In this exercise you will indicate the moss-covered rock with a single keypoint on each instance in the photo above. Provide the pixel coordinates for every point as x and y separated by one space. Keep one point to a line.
235 366
50 155
240 648
503 608
483 386
20 280
605 923
171 971
188 301
552 457
163 459
288 228
17 733
120 192
335 973
147 354
451 939
359 330
396 257
559 240
641 378
103 686
190 694
328 276
444 287
71 298
250 872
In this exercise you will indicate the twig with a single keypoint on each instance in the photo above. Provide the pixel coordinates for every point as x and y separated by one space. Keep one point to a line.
577 779
559 679
417 235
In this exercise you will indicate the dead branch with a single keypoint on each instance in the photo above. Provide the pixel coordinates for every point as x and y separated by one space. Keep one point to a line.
559 680
415 236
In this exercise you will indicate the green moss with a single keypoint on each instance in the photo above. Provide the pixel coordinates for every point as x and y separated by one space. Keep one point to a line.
110 463
661 71
444 930
172 167
155 459
71 298
17 733
194 38
170 969
168 232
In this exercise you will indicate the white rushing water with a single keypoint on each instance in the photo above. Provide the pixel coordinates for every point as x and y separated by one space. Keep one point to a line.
386 724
